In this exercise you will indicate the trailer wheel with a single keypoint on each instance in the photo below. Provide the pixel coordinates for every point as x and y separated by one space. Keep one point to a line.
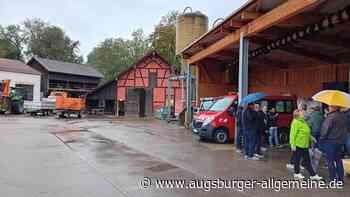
79 116
221 136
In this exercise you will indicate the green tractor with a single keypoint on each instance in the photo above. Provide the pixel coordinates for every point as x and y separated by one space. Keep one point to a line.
11 100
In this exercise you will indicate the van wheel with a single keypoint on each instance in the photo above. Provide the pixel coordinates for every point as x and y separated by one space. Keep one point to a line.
221 136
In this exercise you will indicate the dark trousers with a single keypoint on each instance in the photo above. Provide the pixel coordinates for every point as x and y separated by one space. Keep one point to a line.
258 139
347 143
333 153
238 140
249 142
303 153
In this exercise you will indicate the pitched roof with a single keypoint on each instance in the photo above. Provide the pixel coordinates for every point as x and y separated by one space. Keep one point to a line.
67 68
149 55
16 66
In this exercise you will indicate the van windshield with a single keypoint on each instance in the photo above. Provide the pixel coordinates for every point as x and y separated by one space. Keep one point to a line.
221 104
206 105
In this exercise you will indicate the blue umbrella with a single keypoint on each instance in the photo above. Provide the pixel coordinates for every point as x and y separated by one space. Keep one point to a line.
251 98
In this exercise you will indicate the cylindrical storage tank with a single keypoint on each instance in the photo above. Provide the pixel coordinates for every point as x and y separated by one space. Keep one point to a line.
189 27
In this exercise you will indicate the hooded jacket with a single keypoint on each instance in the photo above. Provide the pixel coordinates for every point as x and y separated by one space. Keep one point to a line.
334 128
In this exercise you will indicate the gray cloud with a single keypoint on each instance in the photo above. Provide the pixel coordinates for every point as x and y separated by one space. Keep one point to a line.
91 21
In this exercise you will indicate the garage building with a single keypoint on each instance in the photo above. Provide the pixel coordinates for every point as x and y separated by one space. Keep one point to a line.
279 47
23 77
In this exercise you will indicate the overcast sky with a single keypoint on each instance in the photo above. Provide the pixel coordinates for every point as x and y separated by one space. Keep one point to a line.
91 21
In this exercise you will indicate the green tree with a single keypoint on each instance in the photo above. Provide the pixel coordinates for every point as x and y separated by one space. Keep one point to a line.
114 55
163 39
12 41
48 41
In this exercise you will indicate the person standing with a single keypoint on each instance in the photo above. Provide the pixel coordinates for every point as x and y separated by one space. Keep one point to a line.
333 134
300 140
250 124
239 130
273 129
260 130
315 122
347 141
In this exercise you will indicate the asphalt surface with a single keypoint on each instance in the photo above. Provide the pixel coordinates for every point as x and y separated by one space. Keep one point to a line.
107 157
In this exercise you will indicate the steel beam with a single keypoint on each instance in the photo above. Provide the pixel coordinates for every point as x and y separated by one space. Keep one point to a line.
243 67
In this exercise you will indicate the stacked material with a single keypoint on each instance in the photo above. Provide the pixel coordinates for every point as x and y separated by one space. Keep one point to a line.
346 163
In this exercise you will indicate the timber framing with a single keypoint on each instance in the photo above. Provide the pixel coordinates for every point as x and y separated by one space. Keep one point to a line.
267 20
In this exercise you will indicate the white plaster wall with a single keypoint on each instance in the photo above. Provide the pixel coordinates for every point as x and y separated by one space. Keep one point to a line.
21 78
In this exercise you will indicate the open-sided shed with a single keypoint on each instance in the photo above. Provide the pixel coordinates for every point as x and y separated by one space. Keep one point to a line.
295 47
143 89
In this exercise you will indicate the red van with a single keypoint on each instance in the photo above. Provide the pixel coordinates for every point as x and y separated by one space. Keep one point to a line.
218 123
205 104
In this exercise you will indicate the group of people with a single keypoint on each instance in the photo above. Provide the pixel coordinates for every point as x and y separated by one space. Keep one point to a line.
326 132
255 124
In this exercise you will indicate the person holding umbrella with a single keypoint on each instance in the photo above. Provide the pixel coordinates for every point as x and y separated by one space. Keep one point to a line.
334 130
250 126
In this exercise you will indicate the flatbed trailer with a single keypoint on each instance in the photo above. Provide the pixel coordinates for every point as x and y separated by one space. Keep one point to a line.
44 107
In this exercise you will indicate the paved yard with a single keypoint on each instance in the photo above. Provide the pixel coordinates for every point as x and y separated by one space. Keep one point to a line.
97 157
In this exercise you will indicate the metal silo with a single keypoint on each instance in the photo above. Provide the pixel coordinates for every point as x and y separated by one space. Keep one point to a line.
189 26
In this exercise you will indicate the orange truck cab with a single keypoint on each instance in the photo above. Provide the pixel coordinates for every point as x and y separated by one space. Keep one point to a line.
218 123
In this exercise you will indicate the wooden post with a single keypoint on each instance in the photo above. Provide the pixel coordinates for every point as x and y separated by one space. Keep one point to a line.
188 96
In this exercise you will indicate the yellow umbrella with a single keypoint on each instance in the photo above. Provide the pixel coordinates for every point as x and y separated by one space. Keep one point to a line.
333 97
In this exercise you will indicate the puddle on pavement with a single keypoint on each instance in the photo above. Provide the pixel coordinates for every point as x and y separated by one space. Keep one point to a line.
161 167
109 153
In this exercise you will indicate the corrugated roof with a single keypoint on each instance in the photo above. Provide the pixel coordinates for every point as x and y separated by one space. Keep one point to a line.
68 68
16 66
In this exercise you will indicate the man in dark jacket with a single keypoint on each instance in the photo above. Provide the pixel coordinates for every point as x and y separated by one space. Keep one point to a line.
333 135
347 142
273 129
261 120
239 130
250 125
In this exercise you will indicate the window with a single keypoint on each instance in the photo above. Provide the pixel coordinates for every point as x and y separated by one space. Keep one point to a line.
221 104
26 91
289 106
280 107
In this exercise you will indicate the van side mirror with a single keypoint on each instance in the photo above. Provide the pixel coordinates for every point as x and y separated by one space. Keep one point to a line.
231 111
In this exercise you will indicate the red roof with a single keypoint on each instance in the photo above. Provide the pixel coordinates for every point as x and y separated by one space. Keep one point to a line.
16 67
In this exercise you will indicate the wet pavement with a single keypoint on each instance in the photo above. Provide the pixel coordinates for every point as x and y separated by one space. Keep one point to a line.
106 157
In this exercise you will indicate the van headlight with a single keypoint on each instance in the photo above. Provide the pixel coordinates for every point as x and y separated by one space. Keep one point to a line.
207 121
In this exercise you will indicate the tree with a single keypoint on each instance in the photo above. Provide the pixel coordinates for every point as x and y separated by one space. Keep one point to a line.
12 41
114 55
48 41
163 39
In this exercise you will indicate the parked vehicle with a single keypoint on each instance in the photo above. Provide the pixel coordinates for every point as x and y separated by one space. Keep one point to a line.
67 106
43 107
205 104
218 123
10 100
285 106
